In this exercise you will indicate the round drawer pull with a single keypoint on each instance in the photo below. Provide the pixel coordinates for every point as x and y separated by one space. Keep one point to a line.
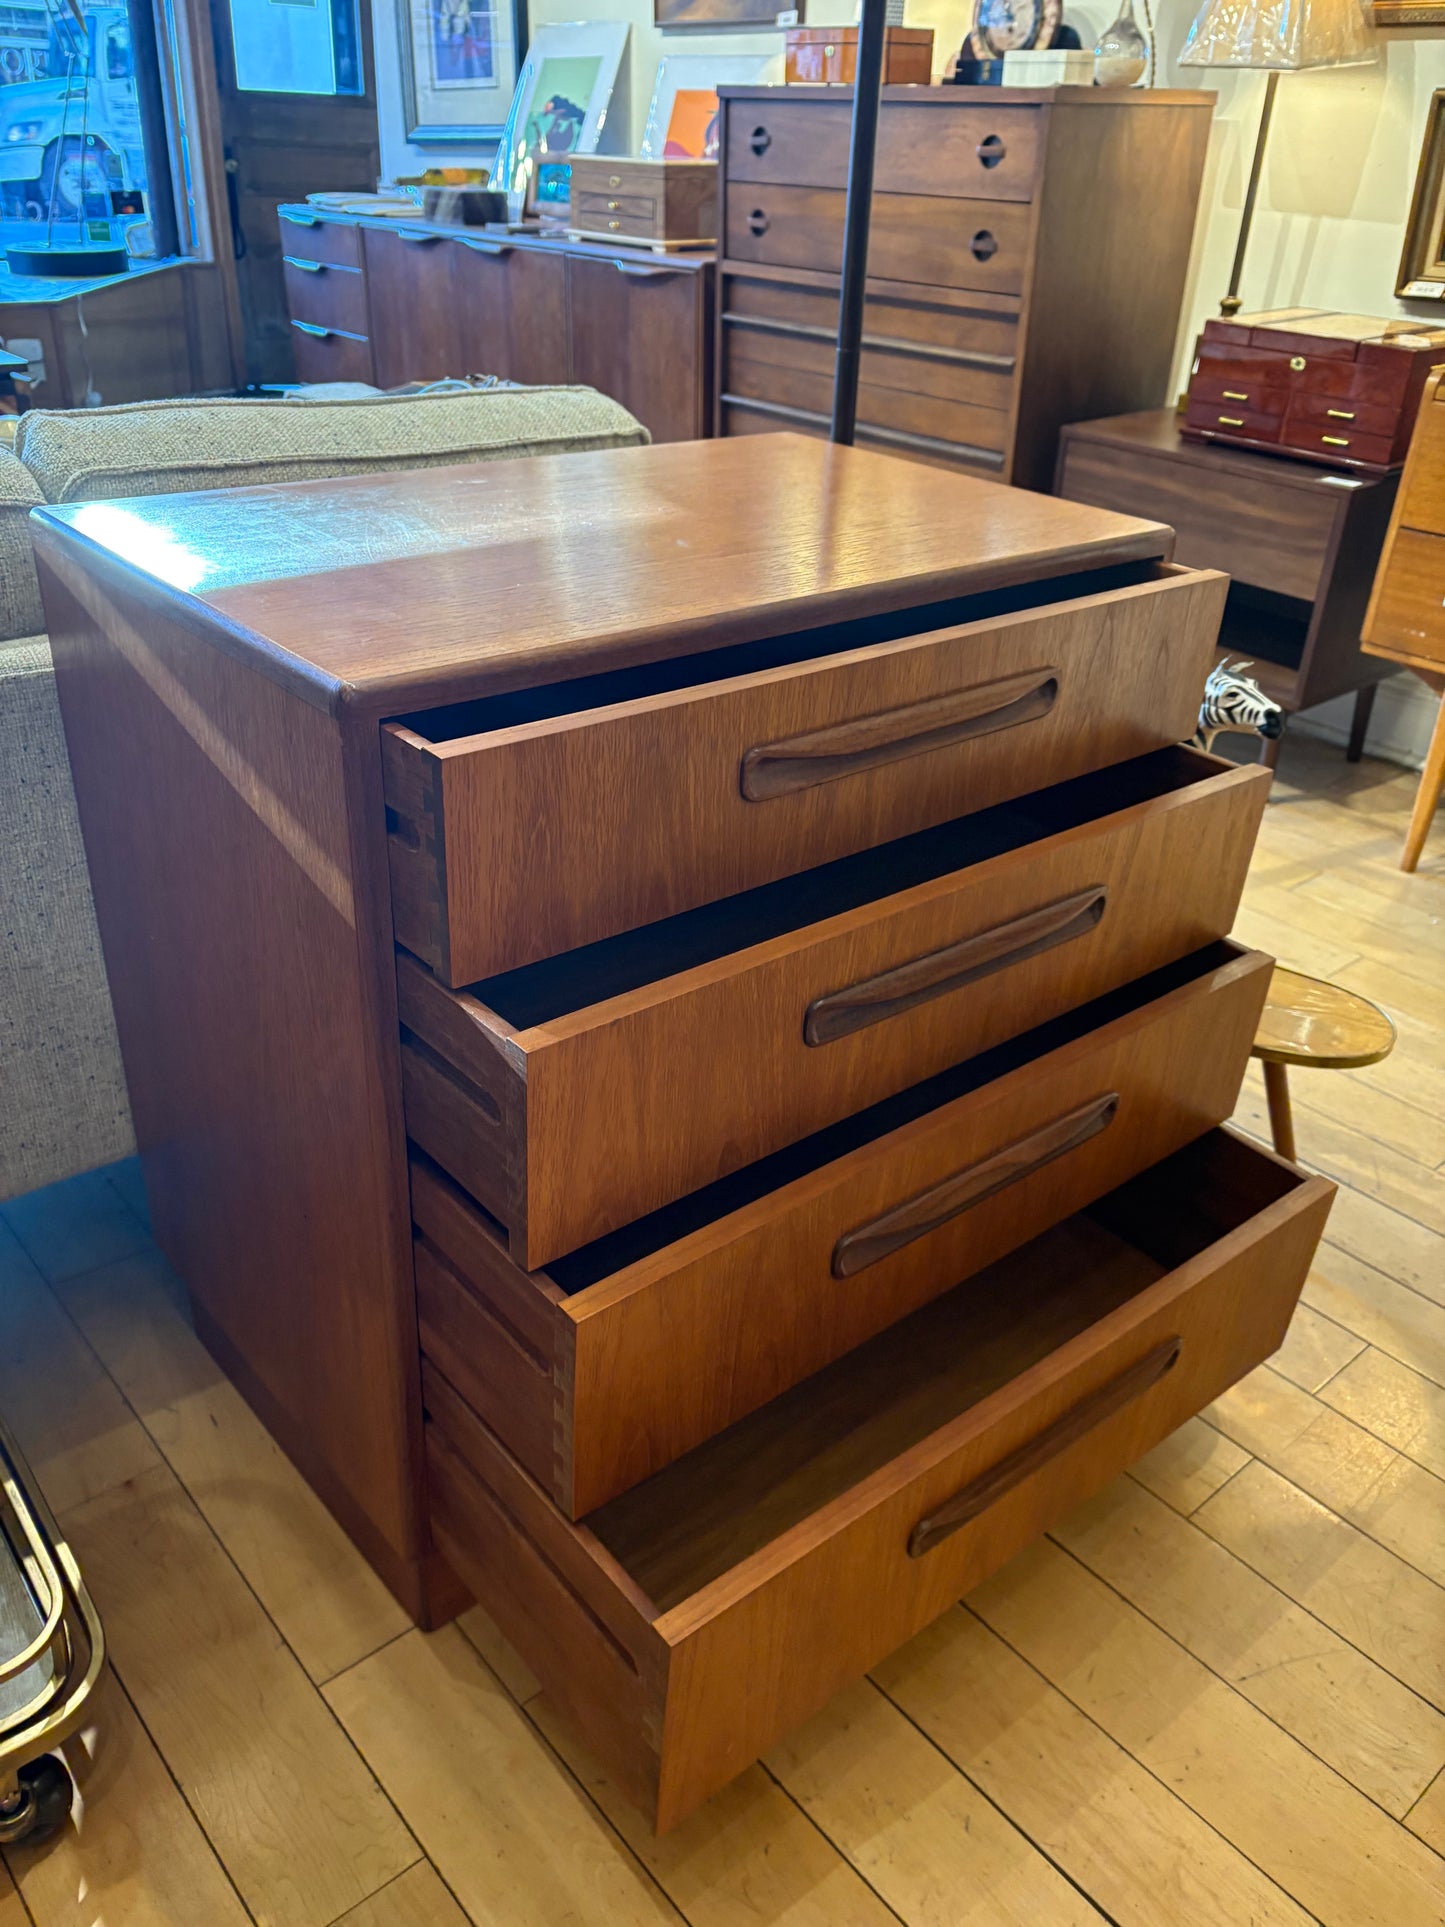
612 206
758 222
828 52
983 246
990 150
614 224
1297 362
614 180
760 140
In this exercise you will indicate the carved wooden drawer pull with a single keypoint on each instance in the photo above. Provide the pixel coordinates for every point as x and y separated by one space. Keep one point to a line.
990 150
1076 1423
984 245
875 999
758 222
867 742
760 141
869 1243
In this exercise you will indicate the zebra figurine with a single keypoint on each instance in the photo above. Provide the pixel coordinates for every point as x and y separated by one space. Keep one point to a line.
1235 702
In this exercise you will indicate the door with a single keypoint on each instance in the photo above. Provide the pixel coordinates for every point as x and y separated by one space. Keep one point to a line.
638 336
298 116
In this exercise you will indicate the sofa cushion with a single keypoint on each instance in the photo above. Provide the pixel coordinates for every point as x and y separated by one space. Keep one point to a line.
21 613
62 1090
170 447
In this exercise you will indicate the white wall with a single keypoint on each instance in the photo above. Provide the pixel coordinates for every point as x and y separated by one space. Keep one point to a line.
1327 232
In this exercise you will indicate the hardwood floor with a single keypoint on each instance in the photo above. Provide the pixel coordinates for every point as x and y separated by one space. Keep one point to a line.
1215 1696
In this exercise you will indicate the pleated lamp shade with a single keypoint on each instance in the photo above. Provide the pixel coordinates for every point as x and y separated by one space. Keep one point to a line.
1280 35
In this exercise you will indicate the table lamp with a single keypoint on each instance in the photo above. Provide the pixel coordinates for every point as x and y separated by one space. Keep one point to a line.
1276 36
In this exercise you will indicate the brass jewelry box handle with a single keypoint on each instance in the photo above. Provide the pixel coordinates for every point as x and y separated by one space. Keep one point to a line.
1076 1423
1335 441
875 999
868 742
868 1243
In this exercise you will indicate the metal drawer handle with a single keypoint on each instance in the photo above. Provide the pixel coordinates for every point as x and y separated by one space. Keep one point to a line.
486 247
867 1244
990 150
1076 1423
758 222
868 742
1335 441
760 140
302 220
306 267
1231 421
921 979
416 236
1236 394
641 273
312 328
1340 414
983 246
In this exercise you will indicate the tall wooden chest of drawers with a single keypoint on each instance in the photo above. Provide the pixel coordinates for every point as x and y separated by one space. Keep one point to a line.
1026 263
679 1014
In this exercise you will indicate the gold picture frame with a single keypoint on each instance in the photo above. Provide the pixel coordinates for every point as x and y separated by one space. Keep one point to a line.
1422 263
1409 13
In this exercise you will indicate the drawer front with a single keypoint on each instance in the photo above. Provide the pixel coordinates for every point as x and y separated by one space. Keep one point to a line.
1338 415
767 774
333 296
835 1255
981 334
679 1697
914 237
1231 388
987 154
898 366
1378 381
325 354
313 239
1336 442
702 1072
598 210
1234 419
1409 607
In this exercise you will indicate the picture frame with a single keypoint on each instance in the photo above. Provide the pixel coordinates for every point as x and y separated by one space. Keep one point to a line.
1405 14
1422 260
725 13
699 73
567 101
459 60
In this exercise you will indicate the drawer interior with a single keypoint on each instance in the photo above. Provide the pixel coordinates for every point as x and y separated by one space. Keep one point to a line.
724 1501
514 708
605 1256
543 992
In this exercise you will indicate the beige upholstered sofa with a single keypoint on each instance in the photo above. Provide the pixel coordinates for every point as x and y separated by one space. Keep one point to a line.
62 1094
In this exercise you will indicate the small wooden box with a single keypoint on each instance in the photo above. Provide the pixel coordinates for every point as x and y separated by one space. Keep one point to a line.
1340 389
831 54
663 203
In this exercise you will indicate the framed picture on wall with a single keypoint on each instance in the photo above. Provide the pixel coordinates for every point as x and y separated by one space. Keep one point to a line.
1422 264
560 108
459 65
726 13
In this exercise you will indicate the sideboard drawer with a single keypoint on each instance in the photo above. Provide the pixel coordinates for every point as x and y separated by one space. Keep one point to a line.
690 1623
325 353
913 237
577 1094
333 296
987 153
337 242
708 1308
500 810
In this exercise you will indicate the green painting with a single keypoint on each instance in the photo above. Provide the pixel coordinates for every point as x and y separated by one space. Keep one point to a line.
559 104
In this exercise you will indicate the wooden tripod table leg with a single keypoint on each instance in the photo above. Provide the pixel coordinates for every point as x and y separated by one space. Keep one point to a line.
1281 1118
1427 797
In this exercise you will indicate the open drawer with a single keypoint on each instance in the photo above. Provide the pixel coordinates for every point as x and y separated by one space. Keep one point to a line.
578 1094
617 1359
691 1623
527 824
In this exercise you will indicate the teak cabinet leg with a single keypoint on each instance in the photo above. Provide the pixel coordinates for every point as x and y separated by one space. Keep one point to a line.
1427 797
1281 1118
1360 721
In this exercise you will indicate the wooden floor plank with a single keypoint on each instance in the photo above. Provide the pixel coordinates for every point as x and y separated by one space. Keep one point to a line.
503 1658
1376 1103
501 1820
1427 1818
1315 956
938 1852
12 1907
298 1821
1397 989
1410 1253
749 1854
1390 1316
1398 912
416 1898
1374 1732
1319 1838
1357 1476
67 1415
1315 1348
1331 1147
74 1226
1396 1404
1190 1465
133 1855
1143 1856
1366 1593
328 1603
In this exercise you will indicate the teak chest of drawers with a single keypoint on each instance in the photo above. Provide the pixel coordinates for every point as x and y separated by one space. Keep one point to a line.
1026 263
688 1094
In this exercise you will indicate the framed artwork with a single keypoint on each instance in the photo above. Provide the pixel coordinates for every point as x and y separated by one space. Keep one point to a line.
459 65
1422 264
725 13
1410 13
682 120
561 106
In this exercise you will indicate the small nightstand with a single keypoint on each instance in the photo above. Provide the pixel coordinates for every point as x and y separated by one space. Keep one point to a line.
1301 544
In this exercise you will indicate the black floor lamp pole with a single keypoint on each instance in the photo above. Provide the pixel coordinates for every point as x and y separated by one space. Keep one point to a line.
862 147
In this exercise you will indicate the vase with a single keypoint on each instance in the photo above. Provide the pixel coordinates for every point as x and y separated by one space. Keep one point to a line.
1122 54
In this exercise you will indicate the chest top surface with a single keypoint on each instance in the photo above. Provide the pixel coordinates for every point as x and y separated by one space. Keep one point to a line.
383 593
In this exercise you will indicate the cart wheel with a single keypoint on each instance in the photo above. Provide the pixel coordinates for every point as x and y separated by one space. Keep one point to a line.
46 1791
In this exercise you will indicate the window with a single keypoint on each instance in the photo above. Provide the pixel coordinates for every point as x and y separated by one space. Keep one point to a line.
296 46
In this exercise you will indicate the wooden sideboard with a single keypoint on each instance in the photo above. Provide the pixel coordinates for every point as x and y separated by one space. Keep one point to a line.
678 1018
392 303
1026 263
